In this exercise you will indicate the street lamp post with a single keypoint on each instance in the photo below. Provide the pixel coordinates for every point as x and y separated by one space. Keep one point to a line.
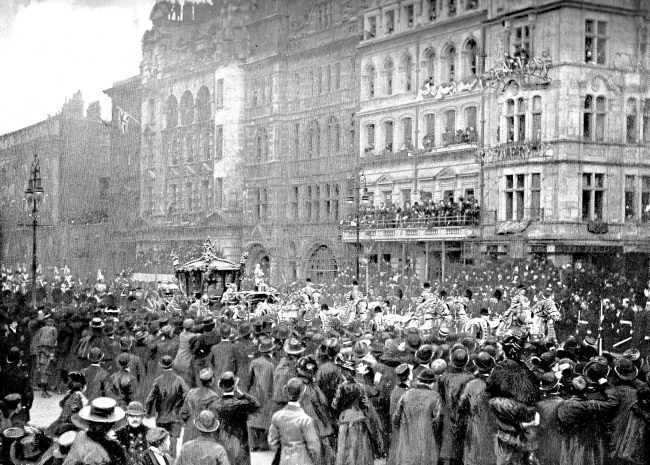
358 198
34 196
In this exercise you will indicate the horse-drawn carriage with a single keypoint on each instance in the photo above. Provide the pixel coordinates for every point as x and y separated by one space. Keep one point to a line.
208 274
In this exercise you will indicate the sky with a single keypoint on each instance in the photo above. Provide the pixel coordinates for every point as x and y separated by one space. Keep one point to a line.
50 49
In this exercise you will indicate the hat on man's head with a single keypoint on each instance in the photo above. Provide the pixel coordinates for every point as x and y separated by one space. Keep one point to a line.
424 354
245 329
594 371
206 374
135 408
439 366
126 343
14 355
443 332
12 400
413 342
403 371
227 381
294 389
166 361
206 422
188 324
156 435
427 376
123 360
360 349
266 345
625 369
459 358
484 362
96 323
293 346
281 332
548 381
95 355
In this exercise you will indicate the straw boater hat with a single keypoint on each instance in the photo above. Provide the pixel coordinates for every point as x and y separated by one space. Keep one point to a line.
102 410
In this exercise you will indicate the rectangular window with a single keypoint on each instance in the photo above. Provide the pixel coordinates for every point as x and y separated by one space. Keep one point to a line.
328 78
470 119
219 142
388 197
296 140
390 22
430 124
296 82
646 121
593 118
451 7
631 122
295 202
537 118
370 136
316 205
308 205
600 118
320 80
219 93
371 32
432 10
514 197
103 188
645 199
265 205
644 47
521 42
535 196
510 121
410 16
406 197
630 197
218 194
595 42
407 133
593 195
337 76
388 136
521 120
450 122
152 110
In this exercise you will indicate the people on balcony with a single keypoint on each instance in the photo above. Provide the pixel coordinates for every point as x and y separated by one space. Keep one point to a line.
424 214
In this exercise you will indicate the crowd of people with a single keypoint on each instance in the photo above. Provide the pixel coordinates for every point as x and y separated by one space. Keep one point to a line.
424 214
550 366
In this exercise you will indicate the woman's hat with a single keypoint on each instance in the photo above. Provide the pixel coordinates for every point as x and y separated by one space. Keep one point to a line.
102 410
95 355
206 422
594 371
14 355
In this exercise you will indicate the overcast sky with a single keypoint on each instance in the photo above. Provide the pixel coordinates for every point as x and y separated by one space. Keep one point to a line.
50 49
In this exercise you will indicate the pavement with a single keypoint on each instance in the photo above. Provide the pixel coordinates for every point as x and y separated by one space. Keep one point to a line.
45 411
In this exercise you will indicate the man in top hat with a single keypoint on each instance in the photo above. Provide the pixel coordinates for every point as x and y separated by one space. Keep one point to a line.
292 433
474 410
204 450
234 408
244 351
166 400
122 385
15 380
136 363
97 338
549 433
416 418
133 435
198 399
260 386
96 376
451 385
626 386
94 445
224 352
64 443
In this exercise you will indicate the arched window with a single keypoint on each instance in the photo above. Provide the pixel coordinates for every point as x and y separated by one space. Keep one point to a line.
203 104
471 53
313 139
337 138
389 71
171 112
262 145
408 74
407 134
631 121
322 265
431 66
189 191
187 108
328 138
451 63
371 76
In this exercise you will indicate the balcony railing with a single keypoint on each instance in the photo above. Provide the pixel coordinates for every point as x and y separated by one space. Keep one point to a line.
417 223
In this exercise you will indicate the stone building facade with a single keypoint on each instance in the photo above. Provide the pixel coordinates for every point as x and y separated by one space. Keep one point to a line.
73 151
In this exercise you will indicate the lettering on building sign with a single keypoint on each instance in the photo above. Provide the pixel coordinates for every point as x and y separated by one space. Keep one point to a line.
516 151
531 71
511 227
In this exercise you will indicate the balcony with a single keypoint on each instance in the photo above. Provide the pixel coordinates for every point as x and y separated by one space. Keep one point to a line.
452 227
